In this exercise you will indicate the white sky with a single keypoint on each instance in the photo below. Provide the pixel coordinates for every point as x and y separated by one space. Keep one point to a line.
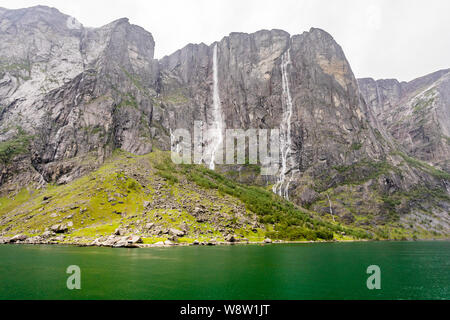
401 39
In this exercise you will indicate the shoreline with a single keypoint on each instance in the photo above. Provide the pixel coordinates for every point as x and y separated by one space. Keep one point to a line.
209 244
174 244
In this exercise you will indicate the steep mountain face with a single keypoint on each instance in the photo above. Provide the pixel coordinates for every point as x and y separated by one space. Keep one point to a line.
327 117
72 95
333 147
79 91
416 114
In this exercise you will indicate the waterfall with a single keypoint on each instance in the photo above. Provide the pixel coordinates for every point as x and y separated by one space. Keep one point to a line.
331 208
216 127
282 186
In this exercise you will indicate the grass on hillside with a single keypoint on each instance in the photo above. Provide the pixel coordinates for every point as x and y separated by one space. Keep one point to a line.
113 196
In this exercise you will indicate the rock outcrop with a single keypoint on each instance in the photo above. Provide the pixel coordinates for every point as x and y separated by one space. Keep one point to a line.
78 91
416 114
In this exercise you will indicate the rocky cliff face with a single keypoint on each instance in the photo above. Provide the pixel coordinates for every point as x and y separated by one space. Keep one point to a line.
79 91
71 95
416 114
328 119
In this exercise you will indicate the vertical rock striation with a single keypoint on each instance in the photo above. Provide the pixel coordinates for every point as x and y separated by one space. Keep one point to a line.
416 114
70 95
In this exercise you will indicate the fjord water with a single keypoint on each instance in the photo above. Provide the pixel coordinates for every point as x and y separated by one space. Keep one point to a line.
409 270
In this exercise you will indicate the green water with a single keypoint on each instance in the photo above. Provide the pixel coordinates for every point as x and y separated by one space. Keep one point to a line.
409 270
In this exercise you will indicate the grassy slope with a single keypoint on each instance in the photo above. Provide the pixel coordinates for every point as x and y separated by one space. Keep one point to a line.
113 196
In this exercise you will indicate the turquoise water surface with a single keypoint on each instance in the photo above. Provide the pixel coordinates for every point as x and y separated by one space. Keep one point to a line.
409 270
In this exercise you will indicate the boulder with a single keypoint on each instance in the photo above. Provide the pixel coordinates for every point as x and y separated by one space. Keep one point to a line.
197 211
201 218
147 204
149 226
196 243
96 242
176 232
231 238
59 228
34 240
18 238
119 232
48 234
122 242
267 240
134 240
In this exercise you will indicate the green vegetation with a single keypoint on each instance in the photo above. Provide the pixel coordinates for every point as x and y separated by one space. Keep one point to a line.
421 105
386 209
17 68
447 139
115 195
9 203
175 97
424 166
134 79
164 170
356 146
128 101
354 174
289 221
15 146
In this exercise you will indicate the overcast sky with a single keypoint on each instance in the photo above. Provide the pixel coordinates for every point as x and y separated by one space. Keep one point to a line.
401 39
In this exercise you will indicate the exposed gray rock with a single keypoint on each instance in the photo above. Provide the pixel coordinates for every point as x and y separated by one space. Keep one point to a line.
147 204
416 114
59 238
59 228
18 238
119 232
231 238
134 239
75 89
176 232
48 234
149 226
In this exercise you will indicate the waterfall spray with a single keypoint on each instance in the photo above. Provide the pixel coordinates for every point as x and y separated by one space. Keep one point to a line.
282 186
217 124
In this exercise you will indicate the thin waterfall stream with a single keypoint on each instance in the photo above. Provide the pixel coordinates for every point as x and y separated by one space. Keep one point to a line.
216 131
282 186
